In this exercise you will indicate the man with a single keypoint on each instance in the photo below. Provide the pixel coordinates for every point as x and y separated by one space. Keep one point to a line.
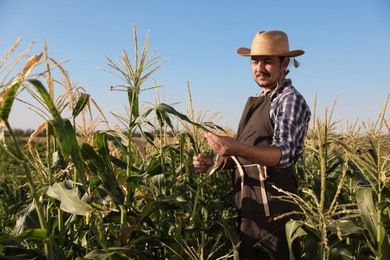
269 141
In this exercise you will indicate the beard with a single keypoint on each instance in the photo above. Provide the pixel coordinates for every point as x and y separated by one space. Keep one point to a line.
268 85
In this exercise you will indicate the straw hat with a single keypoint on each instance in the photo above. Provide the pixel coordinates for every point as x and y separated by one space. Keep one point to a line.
270 43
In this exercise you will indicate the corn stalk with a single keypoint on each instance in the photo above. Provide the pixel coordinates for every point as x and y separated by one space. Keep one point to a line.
373 161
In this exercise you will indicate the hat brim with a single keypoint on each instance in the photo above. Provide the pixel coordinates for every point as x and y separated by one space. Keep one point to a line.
247 52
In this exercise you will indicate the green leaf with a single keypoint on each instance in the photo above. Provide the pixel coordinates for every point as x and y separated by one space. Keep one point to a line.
148 210
164 109
94 162
47 99
27 219
32 234
293 231
154 166
108 175
369 216
81 103
118 139
133 98
159 185
58 161
100 254
69 145
100 163
369 213
8 97
64 131
70 201
341 253
232 236
345 229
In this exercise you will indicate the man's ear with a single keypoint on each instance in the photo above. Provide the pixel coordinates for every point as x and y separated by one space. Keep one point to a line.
285 62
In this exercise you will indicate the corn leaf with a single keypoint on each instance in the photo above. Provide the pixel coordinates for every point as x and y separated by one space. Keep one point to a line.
70 201
70 147
159 185
154 167
233 237
369 212
104 171
345 228
47 99
7 99
100 254
293 231
27 219
64 131
133 94
31 234
81 103
163 110
100 163
118 139
9 94
369 216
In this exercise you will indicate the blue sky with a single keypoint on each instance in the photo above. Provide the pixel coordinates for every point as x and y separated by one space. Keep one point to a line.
346 46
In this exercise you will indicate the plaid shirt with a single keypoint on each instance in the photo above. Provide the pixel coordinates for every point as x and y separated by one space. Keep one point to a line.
290 116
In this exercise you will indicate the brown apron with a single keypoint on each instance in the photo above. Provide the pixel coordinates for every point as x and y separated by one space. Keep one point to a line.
261 235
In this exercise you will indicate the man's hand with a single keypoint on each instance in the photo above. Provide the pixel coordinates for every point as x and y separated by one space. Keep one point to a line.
222 145
227 146
202 163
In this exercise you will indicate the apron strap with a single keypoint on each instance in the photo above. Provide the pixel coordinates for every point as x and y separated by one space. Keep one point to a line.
262 177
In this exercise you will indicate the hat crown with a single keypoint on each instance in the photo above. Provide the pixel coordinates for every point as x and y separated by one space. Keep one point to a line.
270 43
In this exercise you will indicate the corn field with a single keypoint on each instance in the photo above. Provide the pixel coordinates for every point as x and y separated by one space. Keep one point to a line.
131 192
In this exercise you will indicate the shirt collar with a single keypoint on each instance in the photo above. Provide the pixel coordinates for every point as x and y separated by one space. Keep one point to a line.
286 83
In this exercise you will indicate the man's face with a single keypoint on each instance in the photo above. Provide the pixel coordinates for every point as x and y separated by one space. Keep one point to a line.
267 70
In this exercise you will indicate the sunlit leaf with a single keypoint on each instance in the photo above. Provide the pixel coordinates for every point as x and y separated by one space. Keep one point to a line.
293 231
100 163
58 161
70 201
100 254
369 212
7 99
369 216
341 253
81 103
65 132
30 64
164 109
31 234
47 99
37 131
70 147
27 218
154 166
118 138
159 184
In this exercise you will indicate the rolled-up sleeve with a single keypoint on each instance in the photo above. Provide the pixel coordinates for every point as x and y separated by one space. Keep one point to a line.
291 117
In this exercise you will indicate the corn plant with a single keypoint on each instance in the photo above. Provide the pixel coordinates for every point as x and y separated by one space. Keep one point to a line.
370 156
133 194
109 194
341 218
327 216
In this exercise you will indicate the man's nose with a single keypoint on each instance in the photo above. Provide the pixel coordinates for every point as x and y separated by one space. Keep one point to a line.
260 65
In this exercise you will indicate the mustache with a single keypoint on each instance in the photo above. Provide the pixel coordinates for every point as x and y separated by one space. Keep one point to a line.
265 73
